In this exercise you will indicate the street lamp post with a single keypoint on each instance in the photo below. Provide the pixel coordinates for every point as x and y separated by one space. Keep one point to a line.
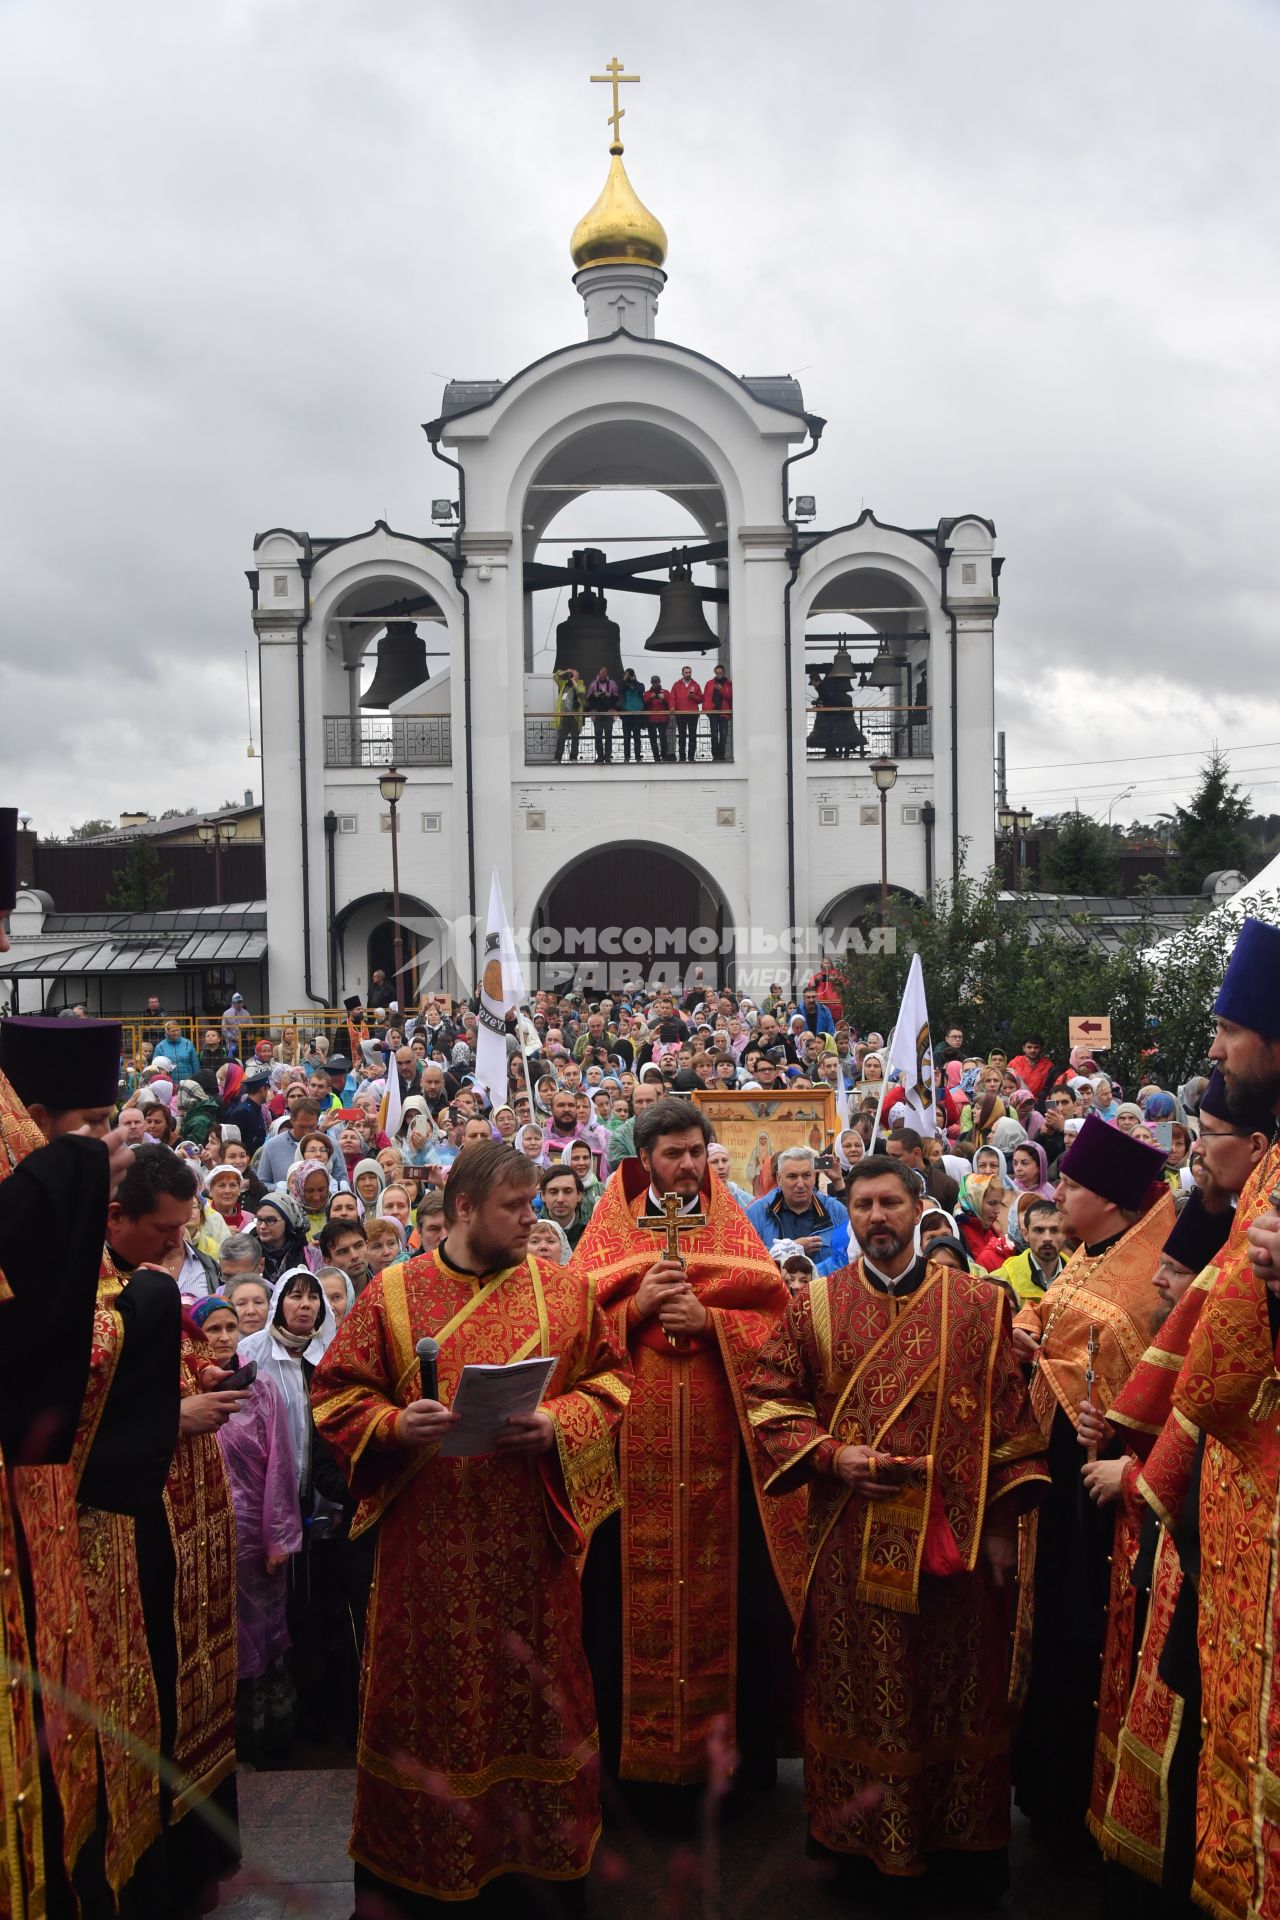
1017 821
885 773
212 834
391 785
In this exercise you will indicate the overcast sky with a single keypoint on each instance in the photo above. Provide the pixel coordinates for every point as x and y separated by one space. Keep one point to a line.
1024 259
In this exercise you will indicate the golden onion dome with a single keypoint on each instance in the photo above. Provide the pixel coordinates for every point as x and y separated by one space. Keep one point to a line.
619 230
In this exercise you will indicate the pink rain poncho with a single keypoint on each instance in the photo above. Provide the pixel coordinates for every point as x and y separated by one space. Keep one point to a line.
258 1452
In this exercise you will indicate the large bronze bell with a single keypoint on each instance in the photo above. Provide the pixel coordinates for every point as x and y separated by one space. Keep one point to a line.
402 665
682 624
587 639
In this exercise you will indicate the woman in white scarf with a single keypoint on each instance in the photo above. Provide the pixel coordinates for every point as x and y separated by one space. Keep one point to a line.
299 1327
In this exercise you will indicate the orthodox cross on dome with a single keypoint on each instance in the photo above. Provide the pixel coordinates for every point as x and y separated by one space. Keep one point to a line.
614 76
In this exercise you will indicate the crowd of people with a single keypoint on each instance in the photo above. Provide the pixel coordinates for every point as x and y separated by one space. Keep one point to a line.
939 1397
666 719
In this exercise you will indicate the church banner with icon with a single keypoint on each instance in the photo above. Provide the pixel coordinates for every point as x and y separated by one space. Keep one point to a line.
755 1127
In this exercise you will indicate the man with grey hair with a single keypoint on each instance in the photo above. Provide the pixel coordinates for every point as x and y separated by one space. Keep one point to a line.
240 1257
795 1210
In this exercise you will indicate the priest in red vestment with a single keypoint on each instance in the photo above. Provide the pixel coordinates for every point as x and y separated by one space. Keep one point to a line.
478 1762
1142 1810
157 1533
893 1392
1097 1318
1226 1404
57 1162
691 1598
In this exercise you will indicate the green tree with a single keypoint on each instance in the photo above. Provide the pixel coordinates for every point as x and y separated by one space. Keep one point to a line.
90 829
1212 833
140 885
1079 858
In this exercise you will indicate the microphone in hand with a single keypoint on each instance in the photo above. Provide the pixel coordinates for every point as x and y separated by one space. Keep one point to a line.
428 1352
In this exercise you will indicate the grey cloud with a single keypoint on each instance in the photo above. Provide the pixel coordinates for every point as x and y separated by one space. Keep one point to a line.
1026 257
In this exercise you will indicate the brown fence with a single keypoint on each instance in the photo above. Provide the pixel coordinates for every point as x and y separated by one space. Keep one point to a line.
79 878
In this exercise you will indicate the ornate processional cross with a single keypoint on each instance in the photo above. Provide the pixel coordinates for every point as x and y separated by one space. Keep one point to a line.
615 77
673 1223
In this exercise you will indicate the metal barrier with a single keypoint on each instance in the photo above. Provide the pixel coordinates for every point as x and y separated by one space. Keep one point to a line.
145 1033
831 733
868 733
370 741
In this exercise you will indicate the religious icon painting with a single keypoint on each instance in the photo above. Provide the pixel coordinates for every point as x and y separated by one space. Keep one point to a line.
756 1127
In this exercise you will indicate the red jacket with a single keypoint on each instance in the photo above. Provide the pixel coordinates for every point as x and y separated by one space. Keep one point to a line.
1036 1076
989 1249
686 696
657 700
717 695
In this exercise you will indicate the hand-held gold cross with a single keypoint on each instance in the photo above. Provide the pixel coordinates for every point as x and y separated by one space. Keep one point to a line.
672 1222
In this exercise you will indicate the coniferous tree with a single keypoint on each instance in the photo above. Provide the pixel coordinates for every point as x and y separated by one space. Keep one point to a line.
140 885
1211 833
1079 858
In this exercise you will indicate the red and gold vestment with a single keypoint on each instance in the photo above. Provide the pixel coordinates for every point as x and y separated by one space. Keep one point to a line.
1224 1391
38 1530
128 1706
478 1750
905 1643
1108 1296
1139 1717
202 1527
680 1468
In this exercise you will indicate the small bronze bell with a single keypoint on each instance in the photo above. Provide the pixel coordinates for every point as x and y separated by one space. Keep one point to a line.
682 624
588 639
402 665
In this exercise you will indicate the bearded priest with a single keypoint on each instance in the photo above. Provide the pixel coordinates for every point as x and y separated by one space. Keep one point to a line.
690 1595
1082 1341
477 1776
892 1391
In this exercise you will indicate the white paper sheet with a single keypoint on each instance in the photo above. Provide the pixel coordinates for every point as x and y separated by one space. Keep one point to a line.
486 1399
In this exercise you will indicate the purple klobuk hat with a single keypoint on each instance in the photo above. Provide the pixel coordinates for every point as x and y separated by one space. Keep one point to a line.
62 1064
1250 992
1214 1101
1198 1234
1113 1164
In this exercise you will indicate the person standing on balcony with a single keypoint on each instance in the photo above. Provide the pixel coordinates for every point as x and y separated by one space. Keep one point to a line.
657 704
717 698
632 715
686 702
602 705
570 696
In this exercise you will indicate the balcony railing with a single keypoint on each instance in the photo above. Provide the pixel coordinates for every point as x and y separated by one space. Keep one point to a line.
370 741
543 734
869 733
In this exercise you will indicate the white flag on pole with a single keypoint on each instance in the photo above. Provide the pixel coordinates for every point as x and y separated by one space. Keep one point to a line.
502 989
910 1053
390 1110
842 1098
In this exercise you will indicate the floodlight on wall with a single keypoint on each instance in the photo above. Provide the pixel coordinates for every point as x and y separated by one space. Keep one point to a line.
805 507
443 511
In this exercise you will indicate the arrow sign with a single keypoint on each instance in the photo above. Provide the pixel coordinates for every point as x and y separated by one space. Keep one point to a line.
1090 1030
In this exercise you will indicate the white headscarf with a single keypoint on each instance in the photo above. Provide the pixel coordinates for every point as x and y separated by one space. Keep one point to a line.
285 1368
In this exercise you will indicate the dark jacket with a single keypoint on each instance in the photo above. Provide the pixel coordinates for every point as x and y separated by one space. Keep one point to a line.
941 1187
251 1120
